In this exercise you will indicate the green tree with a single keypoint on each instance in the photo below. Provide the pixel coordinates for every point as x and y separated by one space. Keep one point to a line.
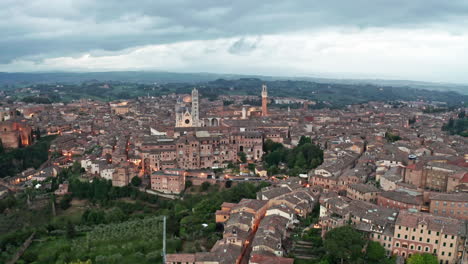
205 186
462 114
304 140
343 244
115 215
242 157
375 252
71 232
228 184
422 259
391 137
136 181
188 184
65 202
300 161
270 146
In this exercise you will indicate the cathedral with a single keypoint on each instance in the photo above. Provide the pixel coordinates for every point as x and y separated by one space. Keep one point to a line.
188 116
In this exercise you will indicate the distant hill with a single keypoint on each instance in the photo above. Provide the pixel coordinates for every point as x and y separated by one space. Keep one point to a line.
172 77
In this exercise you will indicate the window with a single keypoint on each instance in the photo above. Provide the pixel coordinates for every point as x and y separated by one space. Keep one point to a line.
411 247
451 244
406 236
419 247
450 254
420 239
428 240
398 235
429 232
397 244
412 238
437 241
443 253
443 244
426 249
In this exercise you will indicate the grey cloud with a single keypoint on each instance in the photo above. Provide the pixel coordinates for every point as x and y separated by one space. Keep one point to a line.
52 28
243 46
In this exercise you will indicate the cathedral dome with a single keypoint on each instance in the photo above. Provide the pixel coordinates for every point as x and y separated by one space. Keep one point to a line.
187 99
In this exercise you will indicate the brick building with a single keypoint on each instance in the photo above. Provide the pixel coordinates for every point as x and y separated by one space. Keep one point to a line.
15 134
363 192
194 152
168 181
453 205
425 233
401 199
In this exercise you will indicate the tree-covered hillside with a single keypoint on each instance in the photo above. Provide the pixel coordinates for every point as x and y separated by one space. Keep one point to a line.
326 94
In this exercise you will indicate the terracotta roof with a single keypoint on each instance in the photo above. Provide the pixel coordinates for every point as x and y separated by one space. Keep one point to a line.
454 197
404 197
251 203
189 258
228 205
441 224
364 188
262 259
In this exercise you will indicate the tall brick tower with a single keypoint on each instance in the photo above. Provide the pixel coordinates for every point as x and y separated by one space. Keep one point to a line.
264 100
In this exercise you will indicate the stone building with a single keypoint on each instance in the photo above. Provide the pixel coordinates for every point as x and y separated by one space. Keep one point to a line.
362 192
453 205
188 116
426 233
168 181
15 134
194 152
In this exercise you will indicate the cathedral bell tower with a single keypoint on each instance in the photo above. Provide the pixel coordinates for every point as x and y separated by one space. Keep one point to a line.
195 108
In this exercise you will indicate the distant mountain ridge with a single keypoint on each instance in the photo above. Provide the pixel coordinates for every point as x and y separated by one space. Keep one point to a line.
19 78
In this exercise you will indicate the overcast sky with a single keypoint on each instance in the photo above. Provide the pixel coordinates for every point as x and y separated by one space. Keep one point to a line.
394 39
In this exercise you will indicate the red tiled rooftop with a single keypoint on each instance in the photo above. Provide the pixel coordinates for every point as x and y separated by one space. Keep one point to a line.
262 259
228 205
180 258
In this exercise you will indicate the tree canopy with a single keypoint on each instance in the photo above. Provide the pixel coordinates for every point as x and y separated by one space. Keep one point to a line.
304 157
422 259
457 126
343 244
136 181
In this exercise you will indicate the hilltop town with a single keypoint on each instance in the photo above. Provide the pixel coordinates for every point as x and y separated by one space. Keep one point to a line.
392 170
